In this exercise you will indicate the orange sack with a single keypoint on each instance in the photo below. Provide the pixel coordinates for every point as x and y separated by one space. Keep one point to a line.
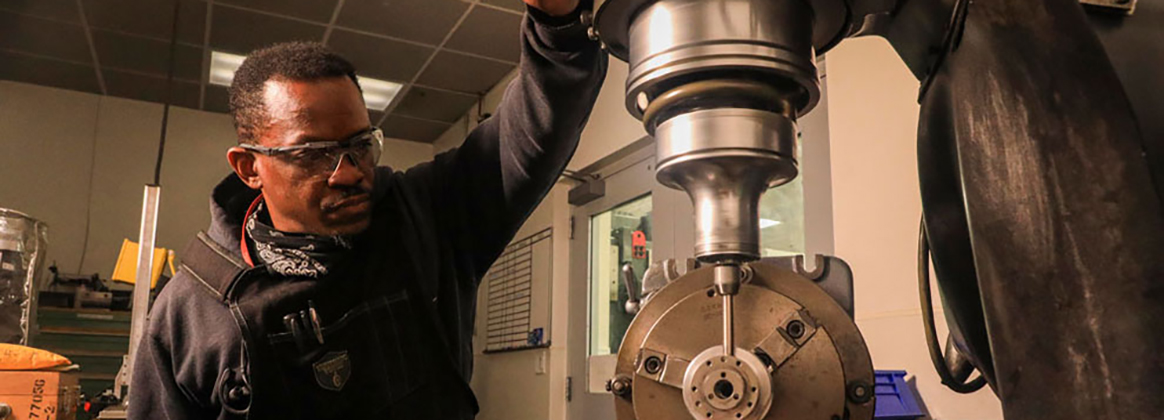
17 357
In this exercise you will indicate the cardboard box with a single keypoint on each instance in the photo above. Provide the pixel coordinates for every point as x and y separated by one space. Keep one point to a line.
40 394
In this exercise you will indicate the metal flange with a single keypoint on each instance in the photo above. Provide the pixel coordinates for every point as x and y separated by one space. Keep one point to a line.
723 387
807 344
613 18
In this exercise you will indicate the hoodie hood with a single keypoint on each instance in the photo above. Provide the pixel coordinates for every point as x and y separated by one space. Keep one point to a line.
228 207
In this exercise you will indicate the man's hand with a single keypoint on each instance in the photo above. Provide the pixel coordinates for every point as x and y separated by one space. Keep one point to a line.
554 7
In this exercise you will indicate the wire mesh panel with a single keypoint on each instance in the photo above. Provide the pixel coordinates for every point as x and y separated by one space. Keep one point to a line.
511 299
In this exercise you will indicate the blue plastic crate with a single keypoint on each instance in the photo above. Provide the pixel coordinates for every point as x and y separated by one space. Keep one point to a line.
895 399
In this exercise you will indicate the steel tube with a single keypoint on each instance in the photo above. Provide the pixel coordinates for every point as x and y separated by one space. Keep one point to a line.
729 341
143 278
727 285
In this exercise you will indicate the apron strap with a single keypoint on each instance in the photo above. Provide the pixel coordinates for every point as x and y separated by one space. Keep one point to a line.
212 265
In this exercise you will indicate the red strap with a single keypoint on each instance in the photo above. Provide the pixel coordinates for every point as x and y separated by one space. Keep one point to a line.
246 253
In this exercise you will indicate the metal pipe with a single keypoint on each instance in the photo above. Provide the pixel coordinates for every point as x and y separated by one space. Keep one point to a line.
729 340
727 284
632 289
142 280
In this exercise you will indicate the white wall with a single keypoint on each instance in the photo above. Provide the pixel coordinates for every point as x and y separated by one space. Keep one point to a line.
45 163
530 384
876 207
404 154
80 161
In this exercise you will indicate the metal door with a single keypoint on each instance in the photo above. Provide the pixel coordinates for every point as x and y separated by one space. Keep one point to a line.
629 183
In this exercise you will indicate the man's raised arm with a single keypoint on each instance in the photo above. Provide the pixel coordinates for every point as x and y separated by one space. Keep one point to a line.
507 164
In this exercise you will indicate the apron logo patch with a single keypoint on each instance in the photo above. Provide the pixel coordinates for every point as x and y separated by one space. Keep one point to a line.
333 370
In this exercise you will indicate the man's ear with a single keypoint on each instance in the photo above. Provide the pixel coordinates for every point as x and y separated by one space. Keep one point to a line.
245 165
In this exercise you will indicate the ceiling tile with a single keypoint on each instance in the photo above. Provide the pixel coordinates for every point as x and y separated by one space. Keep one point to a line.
400 127
463 73
152 18
44 37
41 71
434 104
489 32
147 55
313 10
152 89
217 99
65 10
515 5
378 57
426 21
240 32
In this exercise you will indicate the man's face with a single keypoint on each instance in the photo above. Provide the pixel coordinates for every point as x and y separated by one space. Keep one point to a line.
333 201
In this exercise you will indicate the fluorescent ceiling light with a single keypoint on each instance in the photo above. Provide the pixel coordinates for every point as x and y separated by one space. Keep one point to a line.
222 67
767 223
378 94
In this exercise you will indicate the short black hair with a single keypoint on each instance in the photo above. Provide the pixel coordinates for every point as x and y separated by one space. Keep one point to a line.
298 61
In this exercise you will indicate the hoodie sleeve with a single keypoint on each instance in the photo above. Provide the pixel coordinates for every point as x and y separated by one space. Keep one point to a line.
485 189
190 341
156 394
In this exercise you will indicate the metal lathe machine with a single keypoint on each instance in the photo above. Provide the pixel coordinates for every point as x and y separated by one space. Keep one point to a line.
1042 170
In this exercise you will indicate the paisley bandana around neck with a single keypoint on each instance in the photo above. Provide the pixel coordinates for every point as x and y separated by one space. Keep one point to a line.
294 254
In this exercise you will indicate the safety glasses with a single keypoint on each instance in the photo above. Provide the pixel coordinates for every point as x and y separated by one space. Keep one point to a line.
363 149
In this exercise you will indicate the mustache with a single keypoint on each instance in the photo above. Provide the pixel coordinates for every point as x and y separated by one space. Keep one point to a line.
344 196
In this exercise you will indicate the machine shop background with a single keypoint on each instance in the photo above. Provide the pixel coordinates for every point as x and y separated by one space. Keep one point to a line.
80 113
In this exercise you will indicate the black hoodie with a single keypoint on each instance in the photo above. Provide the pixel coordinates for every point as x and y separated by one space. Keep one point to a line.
445 221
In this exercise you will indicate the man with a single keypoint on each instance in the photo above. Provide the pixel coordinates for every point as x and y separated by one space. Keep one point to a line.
329 288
